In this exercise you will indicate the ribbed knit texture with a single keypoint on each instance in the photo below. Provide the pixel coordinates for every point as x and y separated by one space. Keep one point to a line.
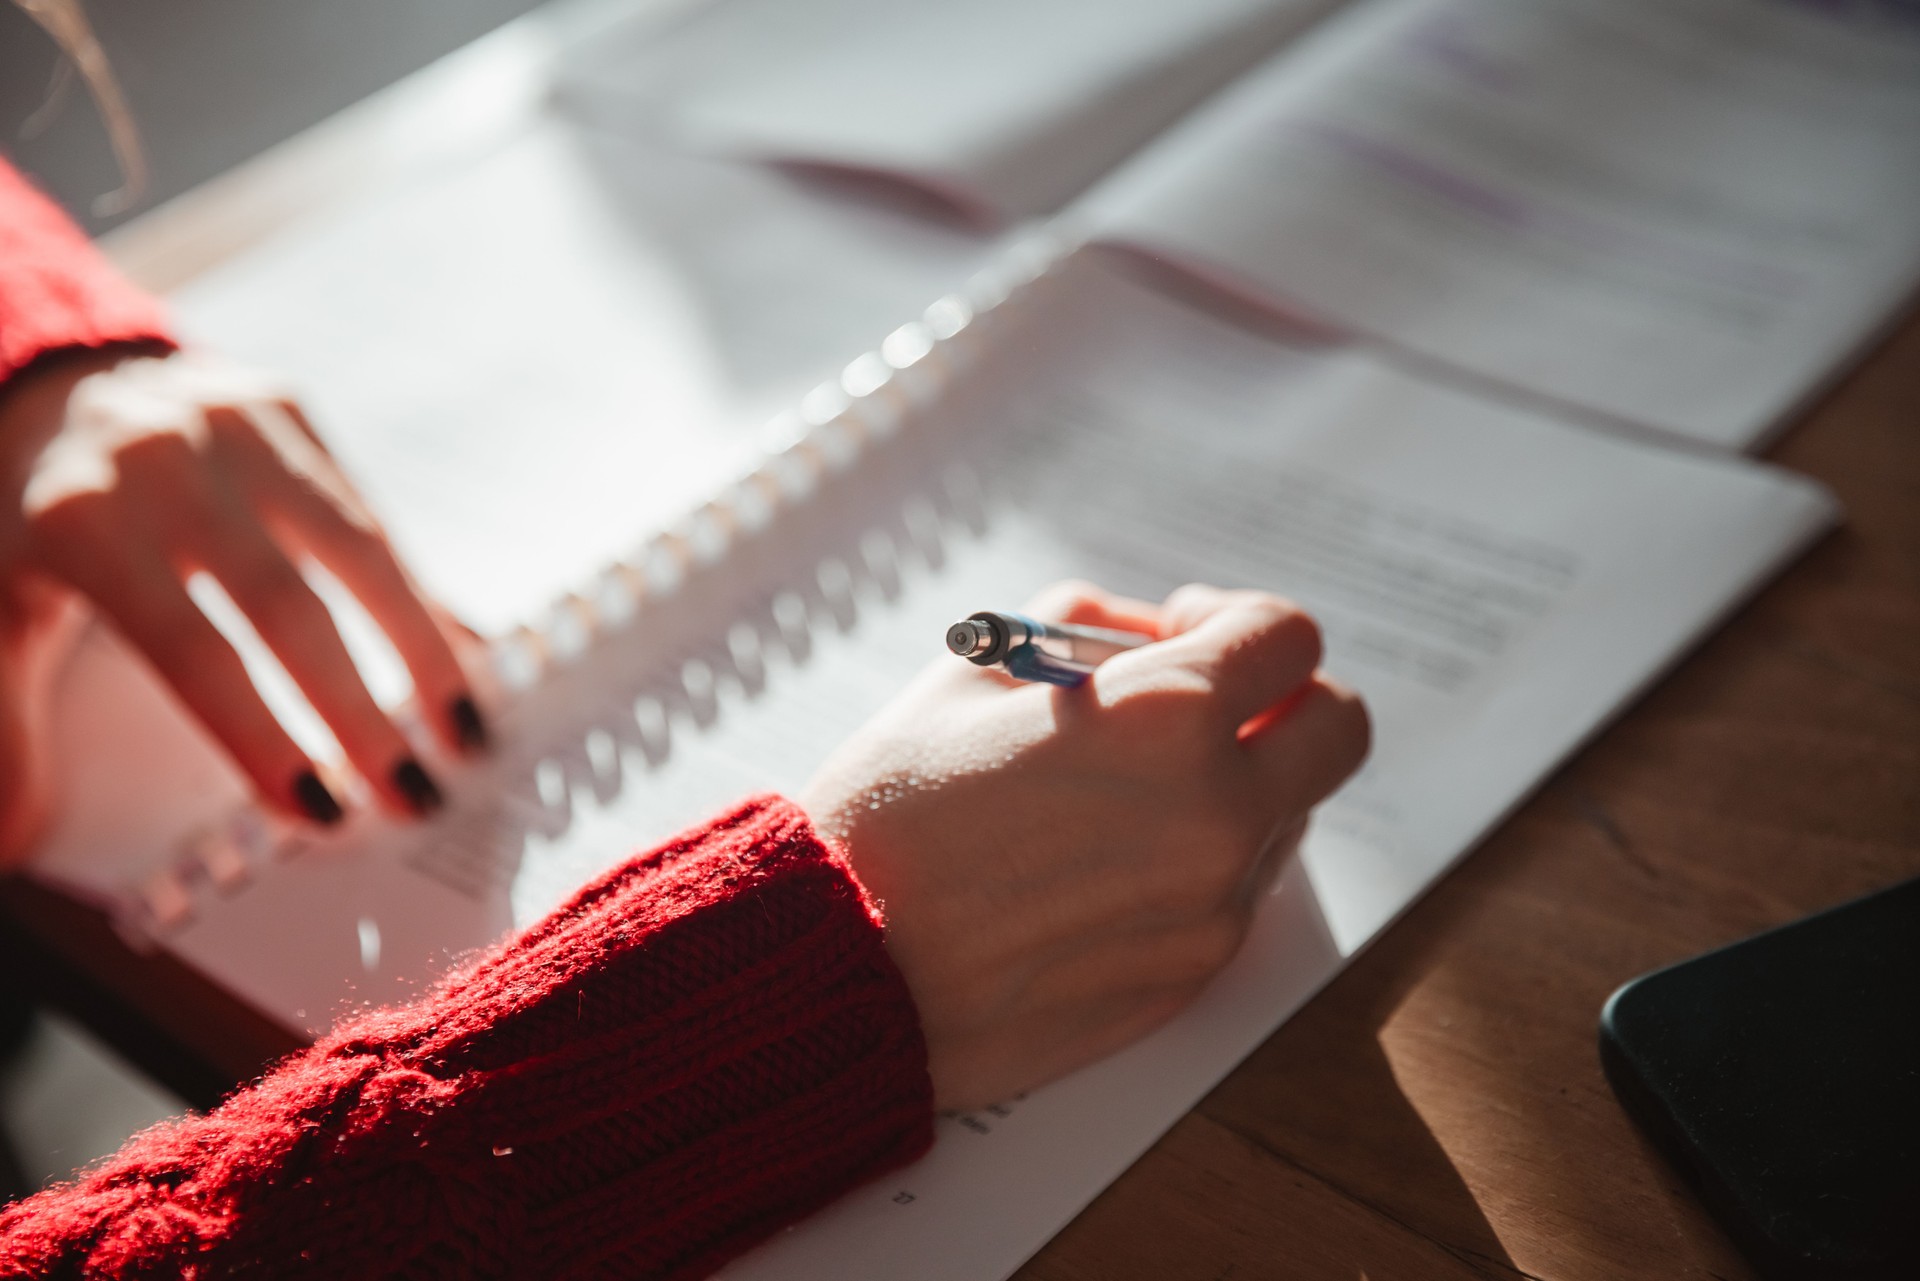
56 290
703 1046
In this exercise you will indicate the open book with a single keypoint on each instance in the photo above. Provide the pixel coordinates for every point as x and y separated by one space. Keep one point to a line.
1497 583
1678 214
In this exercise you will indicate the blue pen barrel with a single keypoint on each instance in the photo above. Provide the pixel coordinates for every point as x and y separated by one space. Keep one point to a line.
1032 663
1030 650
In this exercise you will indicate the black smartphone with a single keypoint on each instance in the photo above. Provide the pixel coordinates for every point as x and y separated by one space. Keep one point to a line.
1781 1075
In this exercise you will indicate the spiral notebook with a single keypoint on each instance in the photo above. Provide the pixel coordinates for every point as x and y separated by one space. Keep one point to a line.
1496 582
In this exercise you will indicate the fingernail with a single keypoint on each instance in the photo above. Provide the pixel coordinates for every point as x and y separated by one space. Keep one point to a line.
316 800
468 725
417 786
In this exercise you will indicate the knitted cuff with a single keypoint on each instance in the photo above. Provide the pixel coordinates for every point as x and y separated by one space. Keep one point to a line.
56 290
703 1046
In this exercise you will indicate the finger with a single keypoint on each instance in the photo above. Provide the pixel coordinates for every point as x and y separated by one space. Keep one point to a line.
352 547
146 601
1254 649
260 441
1303 755
298 417
1087 605
361 558
1266 870
1188 606
293 622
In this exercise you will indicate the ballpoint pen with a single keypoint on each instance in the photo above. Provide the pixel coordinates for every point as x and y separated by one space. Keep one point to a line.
1030 650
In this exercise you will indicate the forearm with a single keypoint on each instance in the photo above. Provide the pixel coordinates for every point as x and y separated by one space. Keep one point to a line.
702 1047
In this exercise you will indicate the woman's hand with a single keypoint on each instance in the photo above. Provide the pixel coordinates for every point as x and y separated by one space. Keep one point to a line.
1064 869
126 475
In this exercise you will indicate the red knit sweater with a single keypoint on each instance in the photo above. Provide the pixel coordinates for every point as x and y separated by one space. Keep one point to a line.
704 1045
55 291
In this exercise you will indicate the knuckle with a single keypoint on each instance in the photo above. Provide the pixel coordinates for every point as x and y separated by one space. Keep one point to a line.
1362 740
1207 948
1279 617
1190 603
1155 687
224 417
235 435
161 450
360 537
1171 717
1355 722
1191 595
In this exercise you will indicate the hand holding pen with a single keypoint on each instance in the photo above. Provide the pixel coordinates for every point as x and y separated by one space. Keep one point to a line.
1059 875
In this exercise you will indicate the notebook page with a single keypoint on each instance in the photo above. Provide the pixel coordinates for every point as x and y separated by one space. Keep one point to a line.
525 357
1496 584
1679 213
1006 108
468 343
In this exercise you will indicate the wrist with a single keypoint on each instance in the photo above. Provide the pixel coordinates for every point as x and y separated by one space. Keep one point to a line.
33 402
39 389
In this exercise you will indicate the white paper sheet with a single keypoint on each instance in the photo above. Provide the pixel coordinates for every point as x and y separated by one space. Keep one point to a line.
1496 584
469 341
1007 108
1679 213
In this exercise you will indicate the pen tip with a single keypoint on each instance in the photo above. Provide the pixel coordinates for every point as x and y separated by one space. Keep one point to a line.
964 638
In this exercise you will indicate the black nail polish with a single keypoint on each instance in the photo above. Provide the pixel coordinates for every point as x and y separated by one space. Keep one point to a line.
316 800
468 725
417 786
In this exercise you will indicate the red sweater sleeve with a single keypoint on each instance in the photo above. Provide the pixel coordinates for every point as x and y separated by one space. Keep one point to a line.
701 1047
55 288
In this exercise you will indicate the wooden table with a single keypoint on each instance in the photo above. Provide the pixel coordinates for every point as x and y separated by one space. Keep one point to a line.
1439 1111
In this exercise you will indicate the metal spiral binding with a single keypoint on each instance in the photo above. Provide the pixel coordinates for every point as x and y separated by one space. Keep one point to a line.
828 431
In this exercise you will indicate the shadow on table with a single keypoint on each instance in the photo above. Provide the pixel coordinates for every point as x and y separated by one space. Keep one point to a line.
1322 1097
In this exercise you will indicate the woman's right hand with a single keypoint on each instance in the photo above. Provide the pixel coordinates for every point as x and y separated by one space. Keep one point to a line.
1061 870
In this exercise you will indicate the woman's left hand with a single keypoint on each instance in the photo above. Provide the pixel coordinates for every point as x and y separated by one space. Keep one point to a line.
126 475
